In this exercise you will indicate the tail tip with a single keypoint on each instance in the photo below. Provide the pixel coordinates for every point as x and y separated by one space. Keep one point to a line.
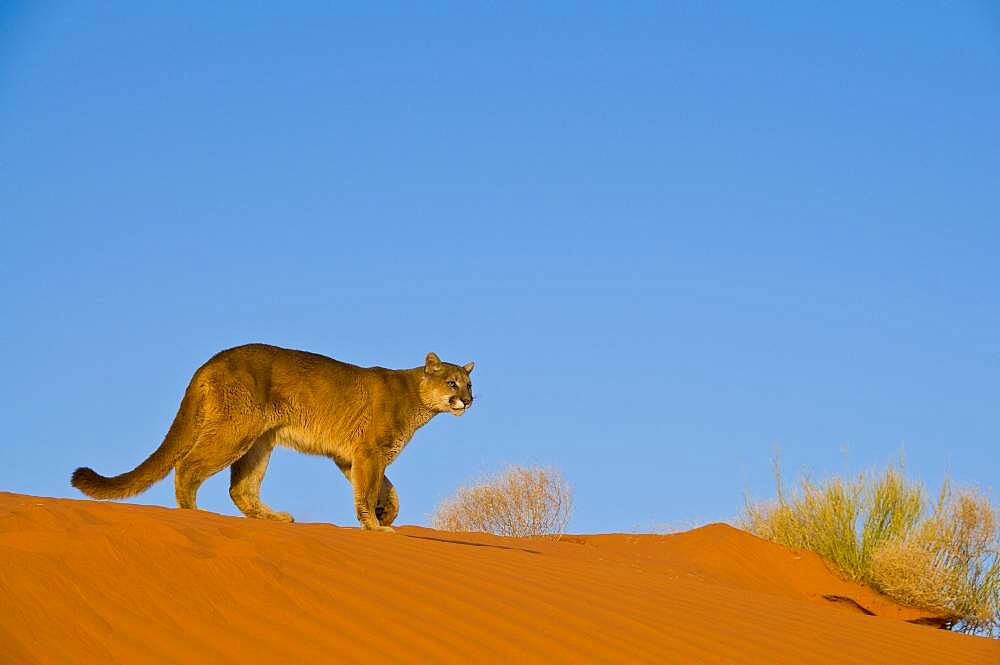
83 478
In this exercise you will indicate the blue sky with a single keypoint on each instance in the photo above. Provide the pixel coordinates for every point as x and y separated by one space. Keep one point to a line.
671 236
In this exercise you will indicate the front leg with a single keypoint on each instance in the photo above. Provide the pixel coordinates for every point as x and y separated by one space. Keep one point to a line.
387 506
366 479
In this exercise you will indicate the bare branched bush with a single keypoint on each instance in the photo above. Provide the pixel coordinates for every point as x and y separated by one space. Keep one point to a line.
879 529
518 501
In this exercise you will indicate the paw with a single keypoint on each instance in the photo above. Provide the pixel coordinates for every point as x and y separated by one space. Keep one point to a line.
378 527
276 516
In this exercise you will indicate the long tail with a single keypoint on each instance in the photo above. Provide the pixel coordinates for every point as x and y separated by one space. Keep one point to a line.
176 444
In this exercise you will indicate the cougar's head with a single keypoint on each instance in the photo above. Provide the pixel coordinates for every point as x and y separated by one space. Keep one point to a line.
446 387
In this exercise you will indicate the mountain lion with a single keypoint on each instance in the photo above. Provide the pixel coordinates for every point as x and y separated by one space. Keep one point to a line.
246 400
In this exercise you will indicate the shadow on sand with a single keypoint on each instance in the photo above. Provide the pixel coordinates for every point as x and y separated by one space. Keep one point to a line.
466 542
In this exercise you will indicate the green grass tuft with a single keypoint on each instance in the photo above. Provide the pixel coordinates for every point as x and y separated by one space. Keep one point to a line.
879 529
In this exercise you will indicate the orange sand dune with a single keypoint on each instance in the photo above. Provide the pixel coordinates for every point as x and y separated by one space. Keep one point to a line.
82 581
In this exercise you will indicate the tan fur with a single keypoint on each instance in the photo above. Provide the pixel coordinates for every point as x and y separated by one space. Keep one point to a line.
244 401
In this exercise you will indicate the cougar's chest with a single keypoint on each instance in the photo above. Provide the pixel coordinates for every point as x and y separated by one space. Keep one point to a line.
391 452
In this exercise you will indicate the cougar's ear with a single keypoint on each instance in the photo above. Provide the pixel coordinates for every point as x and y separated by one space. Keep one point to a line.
468 367
432 362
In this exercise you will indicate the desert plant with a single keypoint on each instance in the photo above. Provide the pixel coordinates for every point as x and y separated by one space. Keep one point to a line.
518 501
877 528
949 563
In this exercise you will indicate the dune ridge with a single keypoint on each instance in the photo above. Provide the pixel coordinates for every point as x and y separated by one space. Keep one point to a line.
84 581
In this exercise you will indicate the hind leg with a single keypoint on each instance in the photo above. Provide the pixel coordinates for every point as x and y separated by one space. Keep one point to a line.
210 454
187 479
246 475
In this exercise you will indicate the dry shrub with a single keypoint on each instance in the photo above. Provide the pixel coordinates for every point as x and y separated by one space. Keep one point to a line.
518 501
877 529
949 563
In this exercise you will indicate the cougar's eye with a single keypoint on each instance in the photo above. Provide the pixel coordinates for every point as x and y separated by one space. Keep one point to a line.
452 384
